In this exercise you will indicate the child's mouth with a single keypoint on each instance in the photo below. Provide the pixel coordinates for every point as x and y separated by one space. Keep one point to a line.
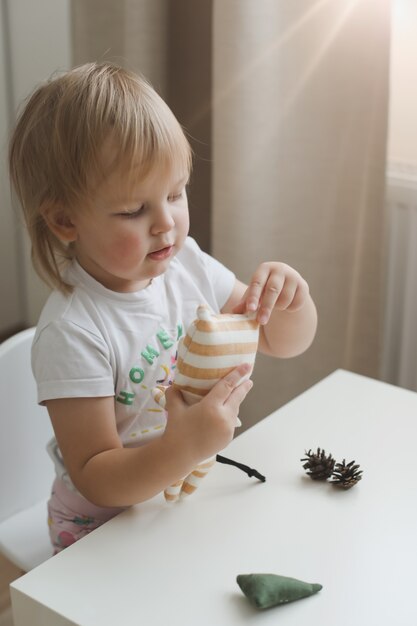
161 254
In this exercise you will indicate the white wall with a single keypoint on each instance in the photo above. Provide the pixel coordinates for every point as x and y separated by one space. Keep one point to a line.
402 145
398 363
36 43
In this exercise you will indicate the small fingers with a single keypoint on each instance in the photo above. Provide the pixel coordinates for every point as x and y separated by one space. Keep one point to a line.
238 395
290 297
223 389
275 292
256 287
273 285
299 297
173 398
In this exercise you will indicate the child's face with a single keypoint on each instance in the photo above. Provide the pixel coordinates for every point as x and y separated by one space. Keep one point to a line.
130 234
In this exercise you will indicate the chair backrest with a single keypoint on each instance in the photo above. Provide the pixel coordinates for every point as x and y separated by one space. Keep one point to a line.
26 471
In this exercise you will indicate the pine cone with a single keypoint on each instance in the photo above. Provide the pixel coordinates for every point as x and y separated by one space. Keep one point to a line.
318 465
346 475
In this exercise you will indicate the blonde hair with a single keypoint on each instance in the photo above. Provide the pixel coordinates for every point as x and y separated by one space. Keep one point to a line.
56 148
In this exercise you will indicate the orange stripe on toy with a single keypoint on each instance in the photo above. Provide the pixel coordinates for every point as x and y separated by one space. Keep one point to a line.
188 488
202 373
220 349
195 390
200 473
226 325
170 498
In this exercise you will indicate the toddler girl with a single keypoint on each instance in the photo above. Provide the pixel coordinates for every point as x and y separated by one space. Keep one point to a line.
100 166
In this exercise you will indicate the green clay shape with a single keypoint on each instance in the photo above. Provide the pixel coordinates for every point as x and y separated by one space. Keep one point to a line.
267 590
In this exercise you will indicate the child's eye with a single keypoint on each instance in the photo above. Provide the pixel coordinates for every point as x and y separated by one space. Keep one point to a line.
175 196
131 214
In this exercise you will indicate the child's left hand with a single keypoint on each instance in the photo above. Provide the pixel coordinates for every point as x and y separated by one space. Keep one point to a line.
273 285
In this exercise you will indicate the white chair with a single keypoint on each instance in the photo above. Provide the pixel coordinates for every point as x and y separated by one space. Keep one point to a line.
26 471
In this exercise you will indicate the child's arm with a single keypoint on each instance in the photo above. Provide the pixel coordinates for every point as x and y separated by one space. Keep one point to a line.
285 308
109 475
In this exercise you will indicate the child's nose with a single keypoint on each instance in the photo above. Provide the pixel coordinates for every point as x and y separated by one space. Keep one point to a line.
163 220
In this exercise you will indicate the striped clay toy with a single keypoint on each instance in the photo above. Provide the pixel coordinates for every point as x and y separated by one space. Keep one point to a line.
212 347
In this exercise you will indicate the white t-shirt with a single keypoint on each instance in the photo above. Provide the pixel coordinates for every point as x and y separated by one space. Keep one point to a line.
96 342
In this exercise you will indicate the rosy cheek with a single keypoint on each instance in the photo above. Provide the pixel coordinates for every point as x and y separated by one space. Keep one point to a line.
129 246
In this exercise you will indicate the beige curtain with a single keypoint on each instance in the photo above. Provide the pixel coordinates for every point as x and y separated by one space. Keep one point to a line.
289 126
132 33
300 121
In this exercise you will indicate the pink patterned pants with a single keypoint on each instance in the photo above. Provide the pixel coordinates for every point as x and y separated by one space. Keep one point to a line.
71 517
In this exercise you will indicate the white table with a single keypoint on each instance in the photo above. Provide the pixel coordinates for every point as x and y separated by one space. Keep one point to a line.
159 564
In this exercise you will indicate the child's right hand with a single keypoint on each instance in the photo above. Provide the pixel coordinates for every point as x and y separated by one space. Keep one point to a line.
203 429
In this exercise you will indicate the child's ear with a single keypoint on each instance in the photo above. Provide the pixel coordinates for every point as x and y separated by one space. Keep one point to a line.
58 220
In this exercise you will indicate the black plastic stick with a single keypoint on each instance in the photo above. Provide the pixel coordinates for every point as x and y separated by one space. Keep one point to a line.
245 468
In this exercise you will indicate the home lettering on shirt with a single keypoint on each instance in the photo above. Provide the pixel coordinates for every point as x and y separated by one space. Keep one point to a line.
149 354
